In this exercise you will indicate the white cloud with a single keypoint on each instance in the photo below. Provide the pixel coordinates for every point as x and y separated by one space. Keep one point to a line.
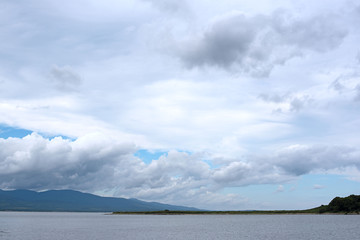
98 163
318 186
280 188
37 163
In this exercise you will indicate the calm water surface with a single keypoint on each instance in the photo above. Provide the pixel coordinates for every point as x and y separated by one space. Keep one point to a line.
88 226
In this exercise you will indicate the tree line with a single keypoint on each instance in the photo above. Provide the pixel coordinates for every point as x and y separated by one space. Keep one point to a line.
350 204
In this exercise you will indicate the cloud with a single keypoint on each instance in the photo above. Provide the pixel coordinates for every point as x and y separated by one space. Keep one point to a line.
318 186
225 42
280 188
337 85
285 164
291 102
347 84
258 43
35 162
357 93
297 104
65 78
319 33
97 163
273 97
300 159
172 6
236 171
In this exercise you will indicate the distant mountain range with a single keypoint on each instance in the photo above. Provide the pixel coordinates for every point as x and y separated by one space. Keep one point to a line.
74 201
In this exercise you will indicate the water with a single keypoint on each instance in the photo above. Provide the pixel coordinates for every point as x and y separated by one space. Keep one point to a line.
91 226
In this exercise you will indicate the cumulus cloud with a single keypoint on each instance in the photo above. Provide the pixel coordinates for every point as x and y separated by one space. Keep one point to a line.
93 162
35 162
285 164
299 159
96 163
256 44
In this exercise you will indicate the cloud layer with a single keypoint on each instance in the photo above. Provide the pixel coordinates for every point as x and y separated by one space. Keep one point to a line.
237 95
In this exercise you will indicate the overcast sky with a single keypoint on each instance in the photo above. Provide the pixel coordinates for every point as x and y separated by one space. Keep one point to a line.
231 104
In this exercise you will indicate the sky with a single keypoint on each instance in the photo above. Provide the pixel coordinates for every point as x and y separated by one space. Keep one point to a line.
223 105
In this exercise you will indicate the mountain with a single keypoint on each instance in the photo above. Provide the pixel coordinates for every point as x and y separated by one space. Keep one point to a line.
74 201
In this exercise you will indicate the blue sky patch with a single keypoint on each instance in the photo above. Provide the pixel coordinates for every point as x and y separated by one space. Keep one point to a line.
307 191
147 156
6 132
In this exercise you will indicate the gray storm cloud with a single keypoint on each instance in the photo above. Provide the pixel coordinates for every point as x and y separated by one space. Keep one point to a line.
227 41
256 44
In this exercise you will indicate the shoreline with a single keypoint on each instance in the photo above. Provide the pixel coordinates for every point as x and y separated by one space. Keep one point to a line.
260 212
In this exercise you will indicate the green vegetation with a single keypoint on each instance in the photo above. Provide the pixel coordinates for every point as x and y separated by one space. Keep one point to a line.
350 204
167 212
347 205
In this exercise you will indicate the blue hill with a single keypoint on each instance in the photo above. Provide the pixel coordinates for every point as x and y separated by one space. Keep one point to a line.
74 201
